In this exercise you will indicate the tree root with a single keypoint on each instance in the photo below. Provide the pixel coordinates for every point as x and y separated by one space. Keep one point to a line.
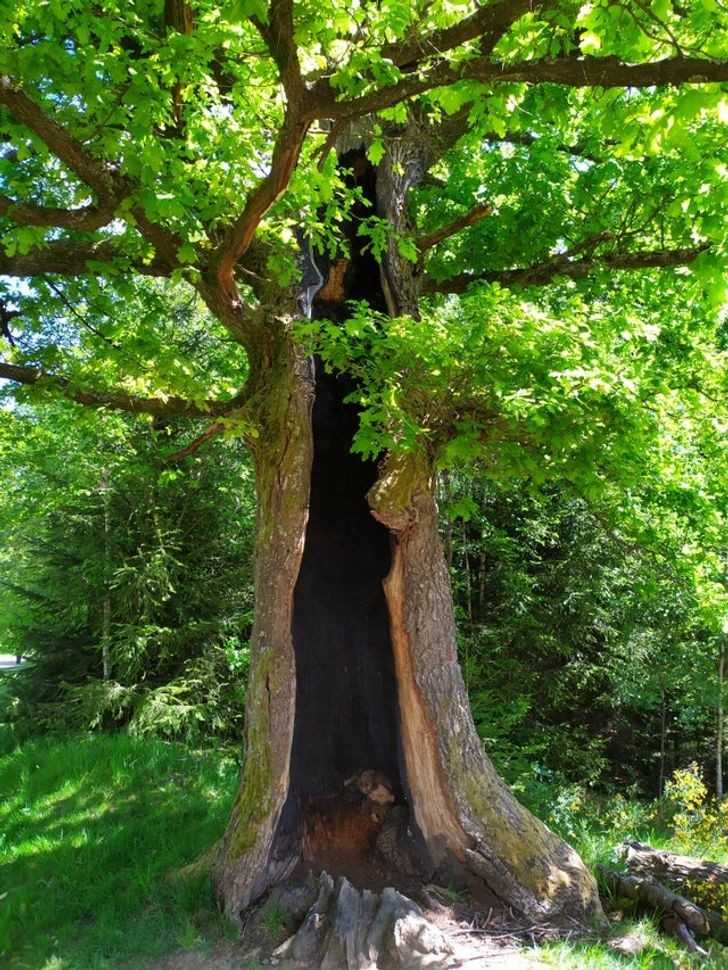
357 929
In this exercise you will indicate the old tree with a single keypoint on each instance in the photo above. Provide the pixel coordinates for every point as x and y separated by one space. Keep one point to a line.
439 231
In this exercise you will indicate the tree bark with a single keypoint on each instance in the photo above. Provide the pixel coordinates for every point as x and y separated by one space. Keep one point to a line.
467 815
283 452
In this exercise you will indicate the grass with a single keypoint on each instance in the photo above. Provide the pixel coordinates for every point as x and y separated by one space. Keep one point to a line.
596 830
90 826
656 952
274 922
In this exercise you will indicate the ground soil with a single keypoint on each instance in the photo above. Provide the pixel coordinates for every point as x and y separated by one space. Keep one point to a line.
480 939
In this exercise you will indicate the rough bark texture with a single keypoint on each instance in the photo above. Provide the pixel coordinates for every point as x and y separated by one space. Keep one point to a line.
463 809
283 455
354 929
671 867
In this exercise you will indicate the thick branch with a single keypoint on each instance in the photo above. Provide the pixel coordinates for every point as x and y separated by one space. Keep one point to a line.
178 16
64 258
240 236
116 400
490 21
278 36
85 219
544 273
104 180
607 72
478 212
611 72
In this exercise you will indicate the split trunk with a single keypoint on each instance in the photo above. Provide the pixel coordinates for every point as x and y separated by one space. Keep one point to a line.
354 664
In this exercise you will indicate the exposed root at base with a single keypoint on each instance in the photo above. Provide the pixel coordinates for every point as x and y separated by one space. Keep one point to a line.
357 929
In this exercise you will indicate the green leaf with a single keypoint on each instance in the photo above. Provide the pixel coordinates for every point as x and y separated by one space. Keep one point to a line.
375 152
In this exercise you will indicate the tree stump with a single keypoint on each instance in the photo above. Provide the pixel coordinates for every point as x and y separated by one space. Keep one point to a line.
357 929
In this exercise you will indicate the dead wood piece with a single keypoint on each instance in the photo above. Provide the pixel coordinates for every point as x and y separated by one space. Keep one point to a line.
680 917
357 929
671 867
648 892
672 925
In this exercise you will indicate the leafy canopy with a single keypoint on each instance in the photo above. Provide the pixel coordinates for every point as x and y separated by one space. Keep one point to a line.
159 158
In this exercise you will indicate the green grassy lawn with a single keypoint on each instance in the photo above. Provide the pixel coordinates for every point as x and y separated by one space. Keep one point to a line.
89 828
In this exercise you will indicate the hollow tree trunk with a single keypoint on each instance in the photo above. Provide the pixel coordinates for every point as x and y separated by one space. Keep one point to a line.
353 660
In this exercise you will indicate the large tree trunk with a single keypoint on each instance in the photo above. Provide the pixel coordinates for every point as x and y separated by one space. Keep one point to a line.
354 662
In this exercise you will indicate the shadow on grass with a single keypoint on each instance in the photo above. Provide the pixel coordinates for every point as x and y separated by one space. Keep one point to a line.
90 828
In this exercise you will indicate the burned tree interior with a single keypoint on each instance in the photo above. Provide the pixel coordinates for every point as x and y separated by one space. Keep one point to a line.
347 718
346 699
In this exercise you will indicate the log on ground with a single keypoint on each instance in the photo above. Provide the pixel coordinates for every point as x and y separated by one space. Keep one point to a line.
680 917
670 867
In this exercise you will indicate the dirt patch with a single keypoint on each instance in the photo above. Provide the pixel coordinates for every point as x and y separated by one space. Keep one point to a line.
234 956
478 939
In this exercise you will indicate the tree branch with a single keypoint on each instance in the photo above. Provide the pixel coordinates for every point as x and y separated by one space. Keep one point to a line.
490 21
607 72
85 219
178 16
543 273
110 186
103 179
116 400
212 432
64 258
240 235
611 72
478 212
278 36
